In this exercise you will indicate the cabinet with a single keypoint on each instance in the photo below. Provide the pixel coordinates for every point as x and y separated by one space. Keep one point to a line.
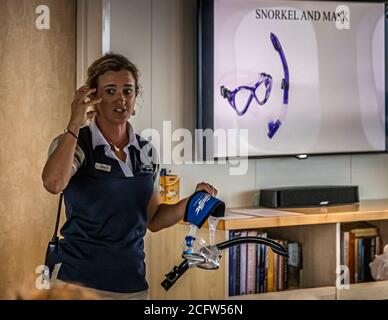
317 229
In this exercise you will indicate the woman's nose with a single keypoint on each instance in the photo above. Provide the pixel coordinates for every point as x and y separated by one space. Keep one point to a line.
122 98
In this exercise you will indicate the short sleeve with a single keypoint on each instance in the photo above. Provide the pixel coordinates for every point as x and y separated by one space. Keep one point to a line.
79 155
156 178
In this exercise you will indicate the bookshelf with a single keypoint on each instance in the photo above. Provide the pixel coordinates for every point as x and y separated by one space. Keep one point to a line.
316 229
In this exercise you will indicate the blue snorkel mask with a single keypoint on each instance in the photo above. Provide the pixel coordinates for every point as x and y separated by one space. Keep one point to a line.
202 207
265 80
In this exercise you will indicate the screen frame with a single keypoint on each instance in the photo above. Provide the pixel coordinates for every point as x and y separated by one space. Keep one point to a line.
205 78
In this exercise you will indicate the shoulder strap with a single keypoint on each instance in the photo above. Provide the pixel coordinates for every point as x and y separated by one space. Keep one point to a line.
55 235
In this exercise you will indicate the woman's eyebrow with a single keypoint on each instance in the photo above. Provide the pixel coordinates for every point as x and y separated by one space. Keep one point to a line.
114 85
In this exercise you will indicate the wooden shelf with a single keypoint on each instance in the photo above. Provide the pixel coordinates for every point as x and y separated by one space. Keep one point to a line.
316 229
365 210
322 293
365 291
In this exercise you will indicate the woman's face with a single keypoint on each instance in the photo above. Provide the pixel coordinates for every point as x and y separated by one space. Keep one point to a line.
117 89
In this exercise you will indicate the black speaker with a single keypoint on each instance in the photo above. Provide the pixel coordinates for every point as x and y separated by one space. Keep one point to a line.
309 196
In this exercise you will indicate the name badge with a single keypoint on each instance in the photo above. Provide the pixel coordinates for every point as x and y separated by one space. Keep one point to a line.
102 167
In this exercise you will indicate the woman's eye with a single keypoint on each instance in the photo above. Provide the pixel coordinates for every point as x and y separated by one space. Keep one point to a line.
110 91
128 92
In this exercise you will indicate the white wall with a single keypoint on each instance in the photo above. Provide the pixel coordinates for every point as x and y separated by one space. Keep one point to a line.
160 37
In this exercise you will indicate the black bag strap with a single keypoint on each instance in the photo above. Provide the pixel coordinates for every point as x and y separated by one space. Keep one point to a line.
55 235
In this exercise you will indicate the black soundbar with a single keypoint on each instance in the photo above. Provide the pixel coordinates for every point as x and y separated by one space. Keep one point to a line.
308 196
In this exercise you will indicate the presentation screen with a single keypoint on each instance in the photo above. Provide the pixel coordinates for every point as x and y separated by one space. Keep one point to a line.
302 77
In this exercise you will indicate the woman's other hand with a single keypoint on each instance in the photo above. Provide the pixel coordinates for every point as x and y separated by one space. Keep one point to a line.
206 187
81 105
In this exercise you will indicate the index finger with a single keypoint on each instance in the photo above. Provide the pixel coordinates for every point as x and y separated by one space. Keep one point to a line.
84 94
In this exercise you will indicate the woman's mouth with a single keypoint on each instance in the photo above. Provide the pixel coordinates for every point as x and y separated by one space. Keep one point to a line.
120 110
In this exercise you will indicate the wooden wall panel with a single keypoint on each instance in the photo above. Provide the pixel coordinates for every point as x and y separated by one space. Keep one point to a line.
37 82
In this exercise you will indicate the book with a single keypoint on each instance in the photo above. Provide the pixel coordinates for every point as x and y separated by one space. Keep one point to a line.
243 265
373 248
258 268
379 245
367 243
270 275
280 275
294 265
352 259
360 270
361 229
285 268
260 264
265 259
345 250
342 245
251 264
263 267
275 270
356 261
232 266
238 250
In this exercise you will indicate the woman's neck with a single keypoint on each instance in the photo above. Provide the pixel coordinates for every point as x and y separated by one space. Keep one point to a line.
113 133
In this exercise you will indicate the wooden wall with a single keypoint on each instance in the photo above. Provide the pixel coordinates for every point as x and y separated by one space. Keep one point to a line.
37 81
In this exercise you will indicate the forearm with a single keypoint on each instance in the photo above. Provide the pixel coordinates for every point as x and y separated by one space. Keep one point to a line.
58 169
168 215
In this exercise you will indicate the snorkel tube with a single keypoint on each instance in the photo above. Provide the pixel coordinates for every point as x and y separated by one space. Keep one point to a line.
202 207
273 126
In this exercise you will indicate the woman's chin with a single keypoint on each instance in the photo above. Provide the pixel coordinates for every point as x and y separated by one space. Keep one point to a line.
121 117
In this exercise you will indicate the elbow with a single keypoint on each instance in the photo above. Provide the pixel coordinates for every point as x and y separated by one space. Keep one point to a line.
53 186
154 228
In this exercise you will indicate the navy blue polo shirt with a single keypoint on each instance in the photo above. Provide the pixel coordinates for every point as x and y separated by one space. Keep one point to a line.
103 237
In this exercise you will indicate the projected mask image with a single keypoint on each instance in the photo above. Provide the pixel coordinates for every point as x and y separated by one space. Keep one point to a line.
299 83
241 98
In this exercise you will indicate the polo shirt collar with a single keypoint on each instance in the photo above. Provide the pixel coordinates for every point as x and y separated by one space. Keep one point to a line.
98 139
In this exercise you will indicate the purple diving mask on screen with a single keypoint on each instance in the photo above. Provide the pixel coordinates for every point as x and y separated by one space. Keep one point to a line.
241 98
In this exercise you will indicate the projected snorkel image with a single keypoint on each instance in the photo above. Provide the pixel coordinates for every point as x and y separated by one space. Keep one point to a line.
303 83
241 98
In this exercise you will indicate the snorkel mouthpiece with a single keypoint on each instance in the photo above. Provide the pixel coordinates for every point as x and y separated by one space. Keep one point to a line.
275 42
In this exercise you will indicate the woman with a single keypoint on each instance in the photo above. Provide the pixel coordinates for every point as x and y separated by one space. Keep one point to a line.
110 185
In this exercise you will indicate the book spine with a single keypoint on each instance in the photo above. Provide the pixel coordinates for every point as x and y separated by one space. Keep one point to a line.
263 266
373 248
275 270
265 263
258 267
232 267
367 259
285 268
352 258
251 264
360 260
342 248
345 249
280 271
238 273
243 266
379 245
270 277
